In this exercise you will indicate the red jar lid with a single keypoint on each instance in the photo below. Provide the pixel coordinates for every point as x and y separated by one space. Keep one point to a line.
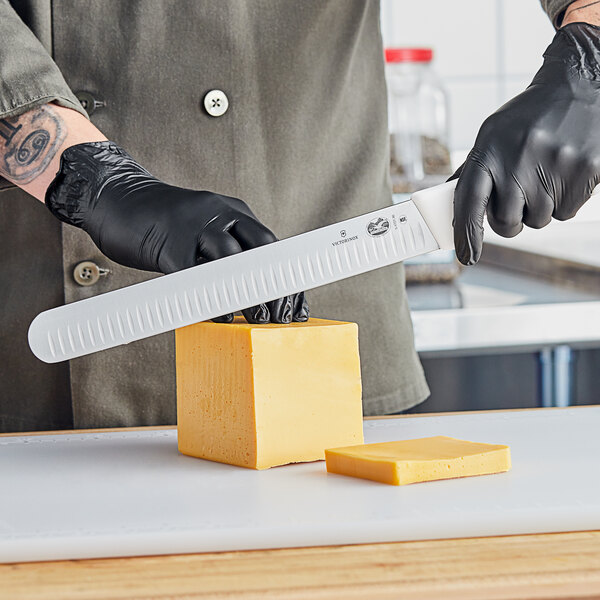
396 55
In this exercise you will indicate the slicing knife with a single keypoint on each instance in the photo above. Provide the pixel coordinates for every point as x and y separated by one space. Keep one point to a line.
309 260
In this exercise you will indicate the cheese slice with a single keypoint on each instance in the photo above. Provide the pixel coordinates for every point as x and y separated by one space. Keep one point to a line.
264 395
412 461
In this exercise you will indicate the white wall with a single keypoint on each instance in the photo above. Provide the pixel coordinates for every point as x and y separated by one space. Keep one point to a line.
486 51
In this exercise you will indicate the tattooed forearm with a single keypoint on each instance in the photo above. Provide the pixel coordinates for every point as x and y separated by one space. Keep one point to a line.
572 10
29 142
584 11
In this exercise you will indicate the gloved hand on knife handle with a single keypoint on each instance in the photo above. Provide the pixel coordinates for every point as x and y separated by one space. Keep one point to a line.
538 156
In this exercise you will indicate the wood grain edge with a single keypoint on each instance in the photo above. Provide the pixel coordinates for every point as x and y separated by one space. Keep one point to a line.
543 566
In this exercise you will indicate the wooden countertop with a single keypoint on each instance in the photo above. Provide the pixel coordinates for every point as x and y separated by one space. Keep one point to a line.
563 565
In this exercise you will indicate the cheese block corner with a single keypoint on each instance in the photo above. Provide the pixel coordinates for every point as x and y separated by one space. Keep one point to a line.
258 396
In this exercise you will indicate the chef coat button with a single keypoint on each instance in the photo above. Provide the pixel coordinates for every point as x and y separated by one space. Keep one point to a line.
88 272
216 103
88 102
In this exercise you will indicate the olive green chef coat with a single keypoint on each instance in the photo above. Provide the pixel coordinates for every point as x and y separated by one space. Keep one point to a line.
304 142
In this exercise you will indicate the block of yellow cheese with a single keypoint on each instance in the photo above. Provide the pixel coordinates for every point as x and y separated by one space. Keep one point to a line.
264 395
412 461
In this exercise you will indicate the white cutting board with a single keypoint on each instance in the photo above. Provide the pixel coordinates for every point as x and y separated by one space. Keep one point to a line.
131 493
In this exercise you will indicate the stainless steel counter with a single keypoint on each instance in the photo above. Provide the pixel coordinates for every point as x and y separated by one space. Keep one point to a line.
490 310
493 309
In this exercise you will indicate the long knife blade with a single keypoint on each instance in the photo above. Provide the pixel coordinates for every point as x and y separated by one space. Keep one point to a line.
302 262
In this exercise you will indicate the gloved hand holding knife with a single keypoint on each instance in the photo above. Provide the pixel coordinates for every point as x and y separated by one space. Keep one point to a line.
538 156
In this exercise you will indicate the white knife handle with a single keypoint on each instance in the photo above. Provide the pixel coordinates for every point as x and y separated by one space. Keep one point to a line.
436 206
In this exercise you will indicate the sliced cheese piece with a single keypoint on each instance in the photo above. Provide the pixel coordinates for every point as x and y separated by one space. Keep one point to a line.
412 461
264 395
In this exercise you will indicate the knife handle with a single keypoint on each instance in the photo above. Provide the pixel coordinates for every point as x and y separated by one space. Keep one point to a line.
436 205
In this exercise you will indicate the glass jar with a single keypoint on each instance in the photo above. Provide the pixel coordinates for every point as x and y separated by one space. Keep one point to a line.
418 121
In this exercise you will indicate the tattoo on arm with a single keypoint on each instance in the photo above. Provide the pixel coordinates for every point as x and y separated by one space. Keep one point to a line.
29 142
572 10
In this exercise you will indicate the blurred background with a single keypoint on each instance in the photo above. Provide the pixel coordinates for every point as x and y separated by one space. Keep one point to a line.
522 328
485 51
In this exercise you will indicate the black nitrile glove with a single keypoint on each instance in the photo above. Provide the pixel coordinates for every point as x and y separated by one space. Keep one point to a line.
141 222
538 156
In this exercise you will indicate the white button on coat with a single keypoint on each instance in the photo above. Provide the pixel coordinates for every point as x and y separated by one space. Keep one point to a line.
216 103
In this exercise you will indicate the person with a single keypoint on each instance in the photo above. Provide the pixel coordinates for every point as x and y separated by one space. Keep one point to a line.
277 108
537 157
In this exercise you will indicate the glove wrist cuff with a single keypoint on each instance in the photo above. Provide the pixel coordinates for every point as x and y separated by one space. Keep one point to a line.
83 172
577 46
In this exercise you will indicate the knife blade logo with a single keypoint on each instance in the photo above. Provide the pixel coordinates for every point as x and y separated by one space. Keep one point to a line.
378 226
